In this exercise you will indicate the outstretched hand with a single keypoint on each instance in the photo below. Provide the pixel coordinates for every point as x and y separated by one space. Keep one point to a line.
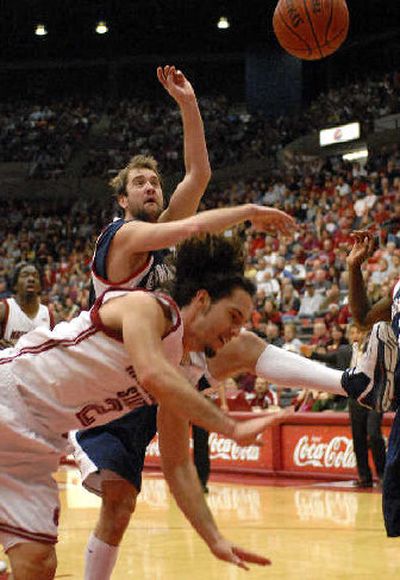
175 83
268 218
249 432
363 247
225 550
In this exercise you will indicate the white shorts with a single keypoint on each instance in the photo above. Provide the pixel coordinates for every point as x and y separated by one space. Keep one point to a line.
29 454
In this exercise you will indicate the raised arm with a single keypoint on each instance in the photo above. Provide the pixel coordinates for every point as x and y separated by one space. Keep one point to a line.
136 237
186 198
184 483
364 314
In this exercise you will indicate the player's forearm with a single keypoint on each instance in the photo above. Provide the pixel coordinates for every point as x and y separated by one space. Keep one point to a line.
185 487
358 300
146 237
174 393
186 198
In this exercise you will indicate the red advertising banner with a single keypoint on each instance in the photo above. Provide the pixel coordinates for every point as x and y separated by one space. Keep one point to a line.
307 444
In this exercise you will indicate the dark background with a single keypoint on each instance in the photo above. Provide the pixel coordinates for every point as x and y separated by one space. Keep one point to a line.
73 59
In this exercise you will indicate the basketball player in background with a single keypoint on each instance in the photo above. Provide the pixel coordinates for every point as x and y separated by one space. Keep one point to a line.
365 314
23 312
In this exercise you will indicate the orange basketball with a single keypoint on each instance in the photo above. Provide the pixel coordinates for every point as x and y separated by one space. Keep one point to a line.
311 29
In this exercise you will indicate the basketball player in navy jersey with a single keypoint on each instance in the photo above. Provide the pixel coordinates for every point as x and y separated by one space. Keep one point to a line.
128 255
23 312
365 315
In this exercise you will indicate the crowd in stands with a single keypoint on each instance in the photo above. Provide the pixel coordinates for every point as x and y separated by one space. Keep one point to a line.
43 136
46 135
302 286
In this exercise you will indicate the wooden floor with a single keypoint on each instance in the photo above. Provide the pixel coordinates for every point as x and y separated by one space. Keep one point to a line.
310 532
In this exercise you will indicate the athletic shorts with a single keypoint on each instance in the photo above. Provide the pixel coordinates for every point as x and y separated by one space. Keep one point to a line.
29 454
118 447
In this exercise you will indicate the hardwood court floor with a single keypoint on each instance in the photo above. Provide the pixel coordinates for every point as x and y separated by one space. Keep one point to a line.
310 531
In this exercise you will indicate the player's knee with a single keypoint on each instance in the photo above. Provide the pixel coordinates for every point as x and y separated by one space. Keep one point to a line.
119 503
34 561
251 347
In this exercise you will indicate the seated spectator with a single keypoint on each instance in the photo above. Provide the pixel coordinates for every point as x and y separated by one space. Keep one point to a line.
290 303
273 335
270 313
331 318
290 340
310 302
320 336
263 397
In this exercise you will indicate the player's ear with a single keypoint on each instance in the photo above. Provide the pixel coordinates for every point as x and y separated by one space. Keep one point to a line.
203 299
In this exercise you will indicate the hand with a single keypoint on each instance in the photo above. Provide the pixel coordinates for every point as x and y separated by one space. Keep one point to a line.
176 84
363 248
249 432
225 550
268 218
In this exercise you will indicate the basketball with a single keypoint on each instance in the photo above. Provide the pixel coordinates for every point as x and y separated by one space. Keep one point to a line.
311 29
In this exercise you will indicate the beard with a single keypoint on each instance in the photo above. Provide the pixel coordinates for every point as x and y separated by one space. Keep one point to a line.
146 216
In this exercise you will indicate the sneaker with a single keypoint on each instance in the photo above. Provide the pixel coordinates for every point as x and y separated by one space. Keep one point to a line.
371 382
362 483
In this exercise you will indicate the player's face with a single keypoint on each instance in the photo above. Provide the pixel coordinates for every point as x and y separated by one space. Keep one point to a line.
221 321
144 197
28 281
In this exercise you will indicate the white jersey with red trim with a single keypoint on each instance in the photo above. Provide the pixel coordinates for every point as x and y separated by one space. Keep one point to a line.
79 374
17 323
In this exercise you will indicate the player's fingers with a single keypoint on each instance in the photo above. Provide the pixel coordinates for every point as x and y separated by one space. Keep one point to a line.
251 556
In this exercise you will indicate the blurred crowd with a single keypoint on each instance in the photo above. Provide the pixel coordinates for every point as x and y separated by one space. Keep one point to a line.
302 282
47 135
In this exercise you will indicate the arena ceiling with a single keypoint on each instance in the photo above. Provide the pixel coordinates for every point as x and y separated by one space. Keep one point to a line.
160 26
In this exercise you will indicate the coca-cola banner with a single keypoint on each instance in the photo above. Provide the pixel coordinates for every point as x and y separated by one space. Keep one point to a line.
226 455
305 443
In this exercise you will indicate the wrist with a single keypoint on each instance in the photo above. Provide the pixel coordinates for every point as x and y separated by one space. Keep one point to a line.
229 426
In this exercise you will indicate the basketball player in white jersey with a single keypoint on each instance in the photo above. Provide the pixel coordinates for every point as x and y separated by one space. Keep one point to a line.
23 312
123 354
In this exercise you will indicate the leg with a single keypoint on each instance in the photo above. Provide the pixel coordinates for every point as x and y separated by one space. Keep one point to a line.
391 482
359 418
250 353
33 561
376 441
201 455
371 383
118 504
111 460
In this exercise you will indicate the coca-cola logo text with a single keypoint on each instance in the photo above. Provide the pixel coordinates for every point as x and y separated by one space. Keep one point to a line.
337 453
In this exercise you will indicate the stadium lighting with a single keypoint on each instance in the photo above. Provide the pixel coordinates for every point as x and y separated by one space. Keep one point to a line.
223 23
40 30
101 27
355 155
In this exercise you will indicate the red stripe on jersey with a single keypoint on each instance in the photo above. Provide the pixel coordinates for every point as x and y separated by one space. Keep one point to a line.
117 334
135 274
51 343
20 532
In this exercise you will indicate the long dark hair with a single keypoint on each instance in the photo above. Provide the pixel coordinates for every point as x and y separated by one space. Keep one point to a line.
211 263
